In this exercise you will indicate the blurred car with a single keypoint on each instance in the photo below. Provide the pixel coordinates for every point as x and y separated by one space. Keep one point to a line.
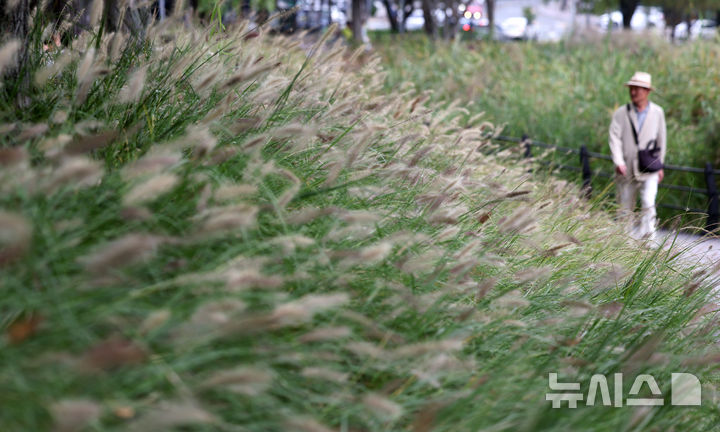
643 18
415 21
518 28
701 28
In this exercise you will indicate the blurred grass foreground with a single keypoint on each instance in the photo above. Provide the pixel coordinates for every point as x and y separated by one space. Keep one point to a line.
227 231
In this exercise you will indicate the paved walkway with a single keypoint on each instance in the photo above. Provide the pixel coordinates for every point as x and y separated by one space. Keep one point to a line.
695 250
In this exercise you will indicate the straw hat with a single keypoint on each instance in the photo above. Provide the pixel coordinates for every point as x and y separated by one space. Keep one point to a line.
641 79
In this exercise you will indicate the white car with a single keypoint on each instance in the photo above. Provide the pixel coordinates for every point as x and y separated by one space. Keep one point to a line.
702 28
517 28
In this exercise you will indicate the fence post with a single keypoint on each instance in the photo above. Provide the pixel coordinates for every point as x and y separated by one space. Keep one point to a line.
528 147
712 193
586 172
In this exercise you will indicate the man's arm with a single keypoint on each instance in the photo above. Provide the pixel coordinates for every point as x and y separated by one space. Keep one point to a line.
662 142
615 141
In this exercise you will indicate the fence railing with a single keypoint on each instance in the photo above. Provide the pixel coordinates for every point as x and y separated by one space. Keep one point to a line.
585 156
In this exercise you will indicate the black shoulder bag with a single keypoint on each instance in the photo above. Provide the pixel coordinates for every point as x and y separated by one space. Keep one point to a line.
648 159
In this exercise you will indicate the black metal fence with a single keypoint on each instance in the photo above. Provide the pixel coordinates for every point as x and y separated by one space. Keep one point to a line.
585 157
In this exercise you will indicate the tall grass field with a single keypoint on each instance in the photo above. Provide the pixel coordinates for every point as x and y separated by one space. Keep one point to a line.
206 230
565 93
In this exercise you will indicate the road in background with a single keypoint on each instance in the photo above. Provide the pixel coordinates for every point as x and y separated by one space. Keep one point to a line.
552 22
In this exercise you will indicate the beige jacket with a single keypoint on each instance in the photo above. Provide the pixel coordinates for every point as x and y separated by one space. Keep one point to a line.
622 144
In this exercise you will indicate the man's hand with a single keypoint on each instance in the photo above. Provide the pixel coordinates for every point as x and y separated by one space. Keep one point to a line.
621 169
661 175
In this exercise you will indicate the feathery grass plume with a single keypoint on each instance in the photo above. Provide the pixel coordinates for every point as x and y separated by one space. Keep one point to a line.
248 381
13 157
308 214
512 300
242 279
448 233
126 250
484 287
359 217
447 215
33 131
367 349
96 9
326 334
169 415
305 424
521 221
219 220
533 273
290 243
131 92
7 128
422 348
382 407
217 312
154 161
248 74
53 69
59 117
303 309
294 130
74 415
154 321
199 139
112 353
325 374
151 189
377 252
85 76
9 55
74 173
234 192
290 193
424 262
15 237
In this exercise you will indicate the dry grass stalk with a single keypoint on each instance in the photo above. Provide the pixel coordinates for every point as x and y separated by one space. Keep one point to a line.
74 415
325 374
305 424
15 237
151 189
133 90
170 415
326 334
248 381
124 251
304 308
9 55
382 407
223 219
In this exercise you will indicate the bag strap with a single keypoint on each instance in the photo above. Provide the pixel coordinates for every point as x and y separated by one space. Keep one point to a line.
632 126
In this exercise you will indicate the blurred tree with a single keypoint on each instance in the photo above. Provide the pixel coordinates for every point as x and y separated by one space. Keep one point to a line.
490 8
391 11
627 8
428 8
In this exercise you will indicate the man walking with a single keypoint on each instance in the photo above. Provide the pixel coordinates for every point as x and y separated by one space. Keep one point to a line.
638 144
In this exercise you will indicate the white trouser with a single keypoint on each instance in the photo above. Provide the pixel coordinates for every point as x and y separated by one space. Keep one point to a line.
627 190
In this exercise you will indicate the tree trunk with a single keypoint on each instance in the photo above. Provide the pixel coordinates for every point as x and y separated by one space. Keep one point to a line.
357 19
430 25
392 17
407 9
490 7
627 8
